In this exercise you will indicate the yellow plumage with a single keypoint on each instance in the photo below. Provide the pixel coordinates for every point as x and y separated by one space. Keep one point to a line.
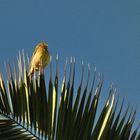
40 58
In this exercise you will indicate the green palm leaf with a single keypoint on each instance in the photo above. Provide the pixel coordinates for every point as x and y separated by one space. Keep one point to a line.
30 109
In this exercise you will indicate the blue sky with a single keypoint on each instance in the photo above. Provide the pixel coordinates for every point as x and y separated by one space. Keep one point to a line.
105 34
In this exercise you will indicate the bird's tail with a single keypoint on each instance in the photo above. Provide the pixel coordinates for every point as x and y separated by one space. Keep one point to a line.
31 71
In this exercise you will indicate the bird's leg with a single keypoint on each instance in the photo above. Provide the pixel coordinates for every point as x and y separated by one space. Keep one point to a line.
41 68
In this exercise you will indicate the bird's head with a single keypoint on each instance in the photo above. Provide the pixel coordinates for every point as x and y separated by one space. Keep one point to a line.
42 45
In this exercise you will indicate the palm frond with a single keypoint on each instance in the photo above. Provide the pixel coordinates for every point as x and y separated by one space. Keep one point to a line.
30 109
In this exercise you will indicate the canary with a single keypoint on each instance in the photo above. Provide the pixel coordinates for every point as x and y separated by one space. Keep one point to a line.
40 58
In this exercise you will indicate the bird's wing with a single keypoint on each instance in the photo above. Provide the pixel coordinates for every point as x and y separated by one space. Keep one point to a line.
35 51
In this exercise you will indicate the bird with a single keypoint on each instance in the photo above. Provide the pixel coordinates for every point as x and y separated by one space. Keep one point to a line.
40 59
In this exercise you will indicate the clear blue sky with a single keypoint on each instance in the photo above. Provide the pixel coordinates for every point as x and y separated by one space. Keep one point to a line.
102 33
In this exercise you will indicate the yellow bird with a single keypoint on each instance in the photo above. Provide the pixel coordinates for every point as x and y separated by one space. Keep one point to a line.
40 58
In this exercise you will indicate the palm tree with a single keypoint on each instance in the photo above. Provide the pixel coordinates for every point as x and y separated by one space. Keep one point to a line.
30 109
